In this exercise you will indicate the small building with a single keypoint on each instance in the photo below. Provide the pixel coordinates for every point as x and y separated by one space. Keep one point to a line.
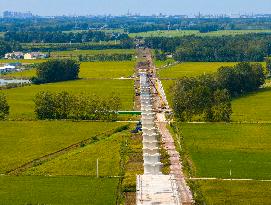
7 69
14 55
35 55
16 64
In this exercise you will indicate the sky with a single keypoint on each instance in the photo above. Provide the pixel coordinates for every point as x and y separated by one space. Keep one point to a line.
144 7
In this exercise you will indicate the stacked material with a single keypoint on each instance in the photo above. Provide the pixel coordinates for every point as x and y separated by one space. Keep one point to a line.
152 164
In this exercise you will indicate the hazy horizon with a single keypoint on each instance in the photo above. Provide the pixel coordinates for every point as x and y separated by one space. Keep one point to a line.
170 7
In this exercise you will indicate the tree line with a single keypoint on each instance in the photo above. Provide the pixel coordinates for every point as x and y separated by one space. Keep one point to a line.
7 47
61 37
64 105
131 24
240 48
122 44
208 97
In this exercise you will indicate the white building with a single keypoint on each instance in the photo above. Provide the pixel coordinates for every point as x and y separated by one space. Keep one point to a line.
35 55
14 55
7 69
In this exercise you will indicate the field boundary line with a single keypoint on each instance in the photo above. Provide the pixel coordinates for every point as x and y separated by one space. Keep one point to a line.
244 122
38 161
221 179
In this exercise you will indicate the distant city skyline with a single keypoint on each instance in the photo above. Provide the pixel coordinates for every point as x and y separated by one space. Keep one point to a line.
120 7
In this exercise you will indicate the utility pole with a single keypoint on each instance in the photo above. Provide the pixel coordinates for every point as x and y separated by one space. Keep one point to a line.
97 166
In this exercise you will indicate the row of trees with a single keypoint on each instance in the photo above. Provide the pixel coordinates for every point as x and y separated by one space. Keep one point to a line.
241 78
4 107
56 70
64 105
61 37
131 24
196 99
105 57
208 97
240 48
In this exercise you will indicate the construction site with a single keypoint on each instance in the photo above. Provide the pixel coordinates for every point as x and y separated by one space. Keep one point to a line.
153 187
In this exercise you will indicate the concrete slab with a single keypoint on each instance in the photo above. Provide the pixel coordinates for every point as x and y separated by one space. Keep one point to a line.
157 190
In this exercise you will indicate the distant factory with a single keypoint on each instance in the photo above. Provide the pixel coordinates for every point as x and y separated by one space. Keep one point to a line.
14 14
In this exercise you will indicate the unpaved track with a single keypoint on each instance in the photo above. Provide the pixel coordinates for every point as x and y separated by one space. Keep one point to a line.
169 144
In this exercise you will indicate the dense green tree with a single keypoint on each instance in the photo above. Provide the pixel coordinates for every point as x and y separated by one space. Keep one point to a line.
6 47
64 105
197 99
4 107
57 70
241 78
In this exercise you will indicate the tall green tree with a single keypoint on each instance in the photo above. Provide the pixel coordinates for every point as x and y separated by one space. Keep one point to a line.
4 107
268 65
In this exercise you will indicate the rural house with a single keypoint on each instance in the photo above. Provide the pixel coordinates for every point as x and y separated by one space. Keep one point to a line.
35 55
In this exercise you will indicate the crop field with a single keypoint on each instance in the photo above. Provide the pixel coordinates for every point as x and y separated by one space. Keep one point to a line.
180 33
215 149
90 52
190 69
218 192
254 107
82 161
57 190
22 104
3 61
165 33
23 141
107 69
26 74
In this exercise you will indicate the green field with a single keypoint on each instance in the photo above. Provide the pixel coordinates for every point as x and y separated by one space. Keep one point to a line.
180 33
57 190
24 141
236 192
215 149
26 74
98 70
107 69
3 61
59 46
254 107
234 32
82 161
22 104
190 69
